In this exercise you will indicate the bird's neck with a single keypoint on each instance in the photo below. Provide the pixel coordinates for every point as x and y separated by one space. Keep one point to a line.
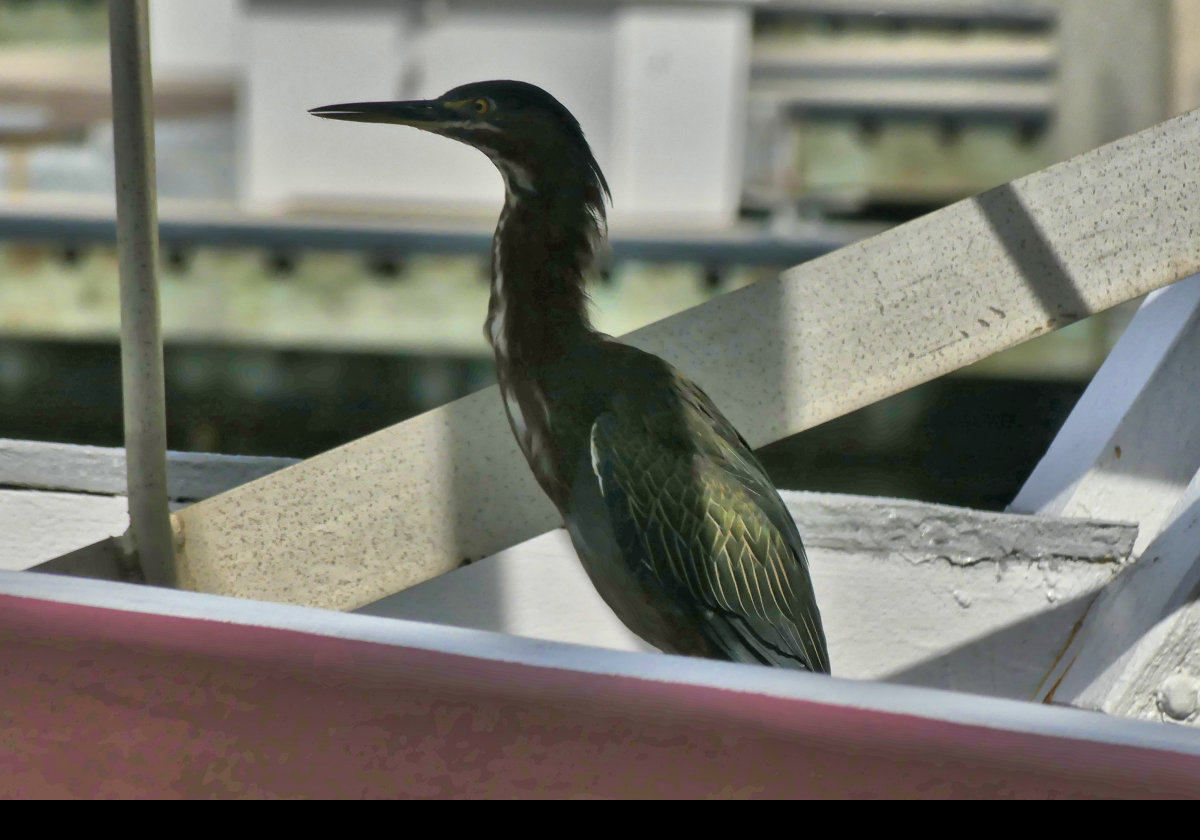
544 246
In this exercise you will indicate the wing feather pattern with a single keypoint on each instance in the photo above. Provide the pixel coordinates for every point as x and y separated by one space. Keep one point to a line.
700 514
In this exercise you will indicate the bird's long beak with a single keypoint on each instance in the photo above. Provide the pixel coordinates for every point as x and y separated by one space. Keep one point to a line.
419 113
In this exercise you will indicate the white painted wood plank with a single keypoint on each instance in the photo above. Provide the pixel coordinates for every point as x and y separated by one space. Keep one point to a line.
86 500
408 503
1142 629
37 465
910 592
1131 448
1132 442
37 526
1168 686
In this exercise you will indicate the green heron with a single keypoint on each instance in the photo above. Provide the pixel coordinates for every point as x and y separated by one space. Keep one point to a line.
675 520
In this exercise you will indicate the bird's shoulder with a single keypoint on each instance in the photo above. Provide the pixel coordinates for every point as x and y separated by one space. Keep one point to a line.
647 398
634 385
655 416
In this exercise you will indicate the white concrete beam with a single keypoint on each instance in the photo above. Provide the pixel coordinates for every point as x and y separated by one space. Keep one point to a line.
411 502
910 592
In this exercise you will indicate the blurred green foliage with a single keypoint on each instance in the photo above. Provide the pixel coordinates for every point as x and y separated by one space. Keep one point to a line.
53 21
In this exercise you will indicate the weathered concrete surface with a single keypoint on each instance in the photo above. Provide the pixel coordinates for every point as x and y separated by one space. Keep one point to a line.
910 592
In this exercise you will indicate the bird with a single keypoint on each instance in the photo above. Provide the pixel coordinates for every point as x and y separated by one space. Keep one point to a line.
674 519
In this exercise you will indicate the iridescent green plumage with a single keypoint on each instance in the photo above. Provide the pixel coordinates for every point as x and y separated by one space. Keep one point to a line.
675 521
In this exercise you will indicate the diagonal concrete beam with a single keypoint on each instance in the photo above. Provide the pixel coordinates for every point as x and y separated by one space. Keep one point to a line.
395 508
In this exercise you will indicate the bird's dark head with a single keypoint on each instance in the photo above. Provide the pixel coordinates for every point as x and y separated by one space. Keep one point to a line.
535 142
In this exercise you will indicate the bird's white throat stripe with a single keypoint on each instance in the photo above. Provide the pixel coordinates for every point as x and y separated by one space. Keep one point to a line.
513 174
497 328
532 438
516 417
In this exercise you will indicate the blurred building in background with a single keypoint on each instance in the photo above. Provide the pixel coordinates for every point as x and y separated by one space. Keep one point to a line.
738 138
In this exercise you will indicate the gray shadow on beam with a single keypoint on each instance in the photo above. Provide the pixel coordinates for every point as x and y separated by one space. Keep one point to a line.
1010 662
1034 256
103 560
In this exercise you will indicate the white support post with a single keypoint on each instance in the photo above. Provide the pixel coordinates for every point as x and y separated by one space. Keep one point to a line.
1132 442
1131 449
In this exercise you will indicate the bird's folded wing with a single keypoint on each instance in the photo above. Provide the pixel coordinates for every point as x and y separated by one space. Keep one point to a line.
707 523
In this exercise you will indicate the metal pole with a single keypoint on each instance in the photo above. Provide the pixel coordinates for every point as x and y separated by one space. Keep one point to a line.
137 249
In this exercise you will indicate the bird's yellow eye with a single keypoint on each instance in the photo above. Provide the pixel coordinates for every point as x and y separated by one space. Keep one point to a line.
480 105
